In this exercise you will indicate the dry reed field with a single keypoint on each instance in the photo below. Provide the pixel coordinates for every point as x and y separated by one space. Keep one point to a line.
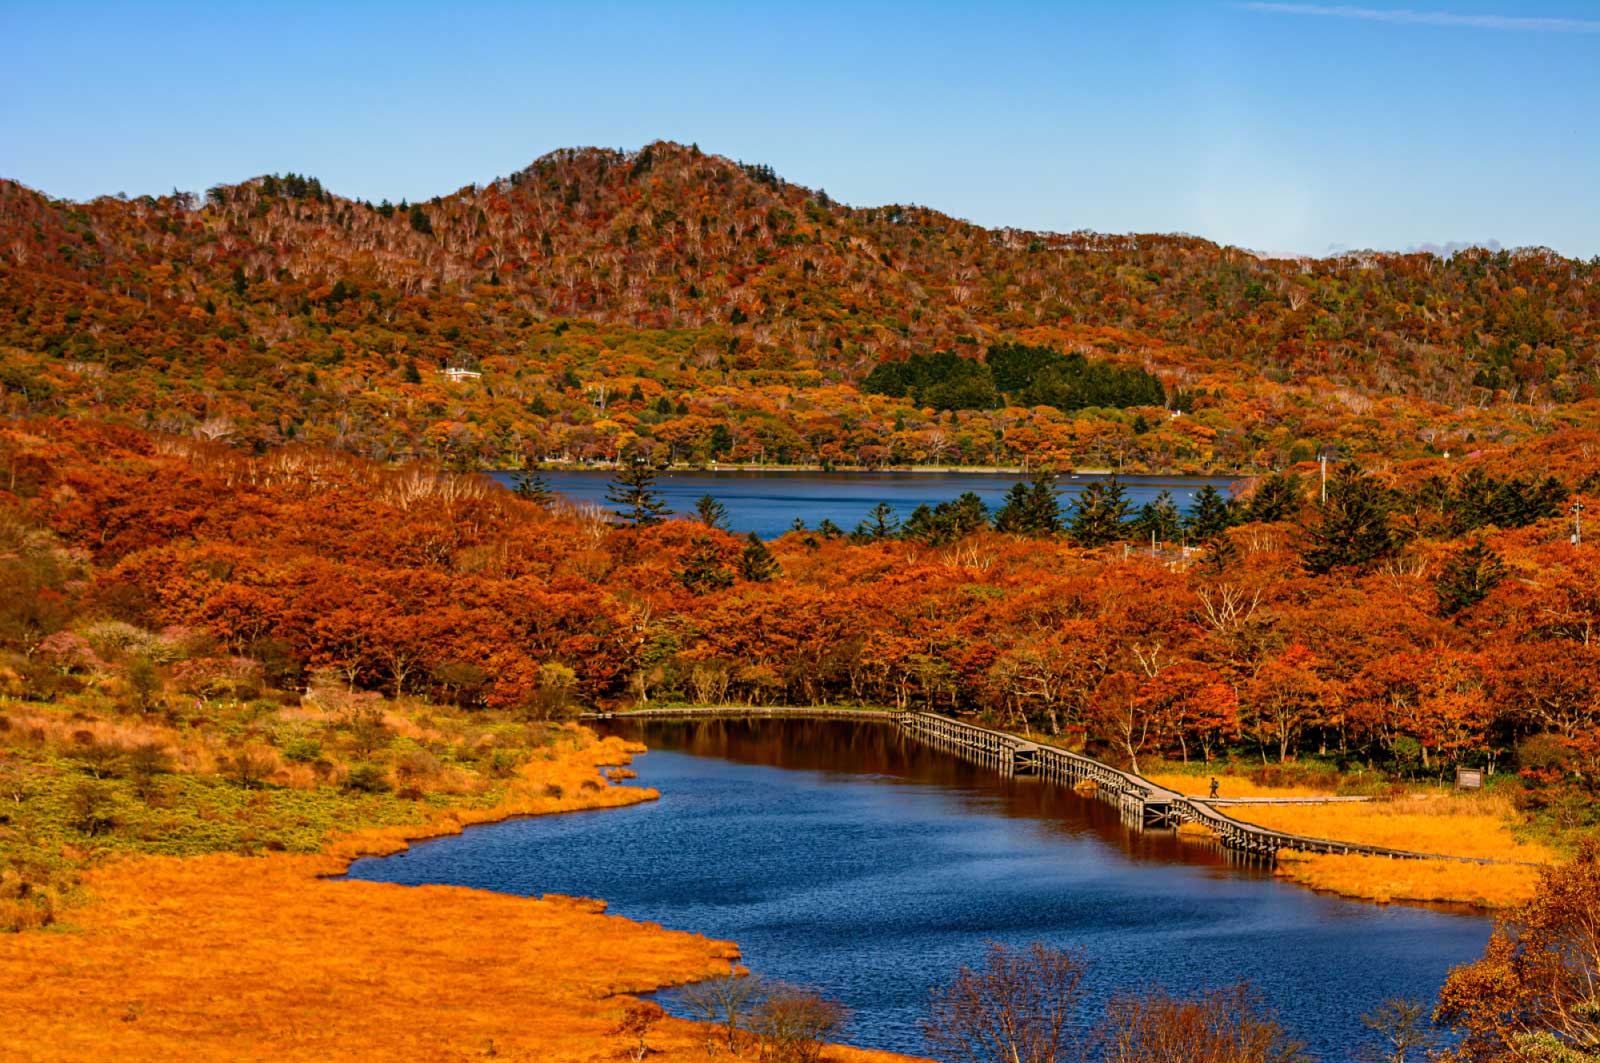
1473 824
1234 786
1378 878
1450 824
226 957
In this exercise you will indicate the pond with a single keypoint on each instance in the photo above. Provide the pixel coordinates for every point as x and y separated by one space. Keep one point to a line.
768 503
846 857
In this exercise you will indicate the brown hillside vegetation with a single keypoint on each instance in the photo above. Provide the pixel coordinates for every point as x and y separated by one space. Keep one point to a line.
681 306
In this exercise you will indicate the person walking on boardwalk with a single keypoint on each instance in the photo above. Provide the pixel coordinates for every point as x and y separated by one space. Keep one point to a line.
1214 786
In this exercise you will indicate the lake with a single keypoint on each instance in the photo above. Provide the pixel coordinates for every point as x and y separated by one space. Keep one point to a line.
768 503
846 857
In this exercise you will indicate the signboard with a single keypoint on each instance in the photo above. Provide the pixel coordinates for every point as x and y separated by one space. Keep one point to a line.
1469 779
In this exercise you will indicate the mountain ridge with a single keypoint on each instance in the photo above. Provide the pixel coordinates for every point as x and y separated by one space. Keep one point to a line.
689 276
1439 249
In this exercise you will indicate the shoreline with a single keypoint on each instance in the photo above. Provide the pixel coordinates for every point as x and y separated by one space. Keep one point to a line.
223 956
752 469
1481 881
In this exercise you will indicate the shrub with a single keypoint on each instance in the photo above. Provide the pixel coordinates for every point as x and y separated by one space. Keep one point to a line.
1216 1026
1543 753
368 732
1022 1001
499 764
213 677
146 761
552 698
367 779
637 1020
144 683
417 764
249 767
91 808
794 1024
728 1002
101 759
114 638
302 749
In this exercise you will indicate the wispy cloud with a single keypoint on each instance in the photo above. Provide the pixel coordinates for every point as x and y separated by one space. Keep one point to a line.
1434 18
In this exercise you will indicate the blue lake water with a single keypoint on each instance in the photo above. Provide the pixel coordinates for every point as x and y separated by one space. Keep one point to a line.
844 857
768 503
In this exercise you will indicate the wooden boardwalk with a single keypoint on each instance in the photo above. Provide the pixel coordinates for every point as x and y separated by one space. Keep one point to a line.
747 712
1143 804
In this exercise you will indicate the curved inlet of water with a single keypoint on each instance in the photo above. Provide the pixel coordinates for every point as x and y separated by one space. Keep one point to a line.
848 857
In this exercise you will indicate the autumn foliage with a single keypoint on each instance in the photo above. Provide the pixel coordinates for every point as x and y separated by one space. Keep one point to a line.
229 573
1532 996
675 305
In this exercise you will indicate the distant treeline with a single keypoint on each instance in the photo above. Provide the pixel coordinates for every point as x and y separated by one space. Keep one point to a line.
1362 521
1014 374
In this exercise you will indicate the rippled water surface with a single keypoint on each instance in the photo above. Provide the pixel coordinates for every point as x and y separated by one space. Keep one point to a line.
842 856
767 503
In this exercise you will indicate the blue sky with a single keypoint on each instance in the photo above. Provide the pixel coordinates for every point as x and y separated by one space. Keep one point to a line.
1284 127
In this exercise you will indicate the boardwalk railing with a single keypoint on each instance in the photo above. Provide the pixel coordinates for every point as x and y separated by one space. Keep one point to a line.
1143 804
746 712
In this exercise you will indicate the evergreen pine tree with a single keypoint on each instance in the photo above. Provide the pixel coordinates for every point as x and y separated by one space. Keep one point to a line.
1098 514
924 526
633 490
967 514
1013 514
1044 506
881 523
1354 530
757 564
711 513
703 571
1277 498
946 522
530 485
1211 515
1221 553
1030 508
829 530
411 375
1468 578
1158 520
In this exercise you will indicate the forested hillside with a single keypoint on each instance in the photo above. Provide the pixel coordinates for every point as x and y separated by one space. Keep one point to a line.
680 306
1412 623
